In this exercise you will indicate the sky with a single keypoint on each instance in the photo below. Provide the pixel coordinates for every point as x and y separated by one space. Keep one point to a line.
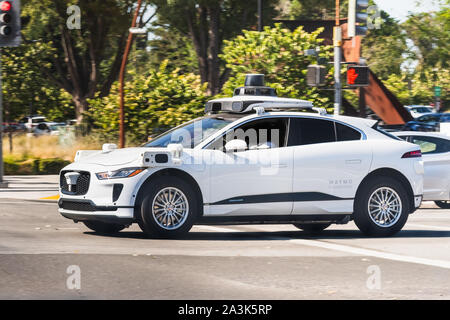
399 9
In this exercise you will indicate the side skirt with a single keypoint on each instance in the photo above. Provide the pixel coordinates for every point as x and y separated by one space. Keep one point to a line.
286 219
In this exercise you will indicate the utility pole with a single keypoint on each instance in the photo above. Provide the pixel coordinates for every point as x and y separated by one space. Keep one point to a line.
260 18
337 41
3 184
122 76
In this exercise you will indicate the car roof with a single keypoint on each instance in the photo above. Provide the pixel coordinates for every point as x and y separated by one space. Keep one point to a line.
421 133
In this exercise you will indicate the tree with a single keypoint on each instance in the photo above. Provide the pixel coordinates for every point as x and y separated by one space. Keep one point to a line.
207 23
80 61
26 91
158 100
430 33
312 9
385 48
280 54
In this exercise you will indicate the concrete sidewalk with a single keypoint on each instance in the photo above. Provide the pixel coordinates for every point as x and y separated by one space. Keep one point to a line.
31 187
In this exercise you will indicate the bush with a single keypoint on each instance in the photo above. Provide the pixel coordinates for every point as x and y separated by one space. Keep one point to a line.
51 166
33 166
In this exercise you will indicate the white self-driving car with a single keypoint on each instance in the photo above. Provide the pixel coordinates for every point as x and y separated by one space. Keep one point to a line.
253 158
436 158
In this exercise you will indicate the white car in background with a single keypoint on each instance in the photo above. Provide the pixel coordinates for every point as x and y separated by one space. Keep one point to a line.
32 121
48 128
254 158
417 110
436 157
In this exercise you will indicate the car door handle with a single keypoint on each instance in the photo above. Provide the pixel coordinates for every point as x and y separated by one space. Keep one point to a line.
353 161
280 165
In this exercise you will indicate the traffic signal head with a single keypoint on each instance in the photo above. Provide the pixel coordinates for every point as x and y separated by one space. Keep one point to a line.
10 23
316 75
357 18
357 76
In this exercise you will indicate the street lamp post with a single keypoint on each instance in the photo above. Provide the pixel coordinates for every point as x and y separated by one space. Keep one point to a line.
122 76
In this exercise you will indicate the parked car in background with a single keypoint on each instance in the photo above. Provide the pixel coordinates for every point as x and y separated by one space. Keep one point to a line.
428 122
418 110
32 121
13 127
48 128
436 157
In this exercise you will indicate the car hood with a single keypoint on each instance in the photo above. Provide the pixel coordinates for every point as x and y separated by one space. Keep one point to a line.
117 157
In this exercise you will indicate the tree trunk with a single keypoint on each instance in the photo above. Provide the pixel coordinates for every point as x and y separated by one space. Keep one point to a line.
213 50
81 106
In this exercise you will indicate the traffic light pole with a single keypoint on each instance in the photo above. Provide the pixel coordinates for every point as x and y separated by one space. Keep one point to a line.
337 40
3 184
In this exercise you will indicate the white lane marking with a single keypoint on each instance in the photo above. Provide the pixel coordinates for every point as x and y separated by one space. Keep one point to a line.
358 251
373 253
443 228
217 229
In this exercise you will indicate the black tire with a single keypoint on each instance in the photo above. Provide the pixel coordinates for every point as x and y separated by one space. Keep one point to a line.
361 214
443 204
103 227
312 228
148 222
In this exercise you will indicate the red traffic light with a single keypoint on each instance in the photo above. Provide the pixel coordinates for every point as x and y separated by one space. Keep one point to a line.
5 6
351 76
358 76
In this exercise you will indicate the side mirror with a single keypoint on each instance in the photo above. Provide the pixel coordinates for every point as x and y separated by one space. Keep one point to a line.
235 145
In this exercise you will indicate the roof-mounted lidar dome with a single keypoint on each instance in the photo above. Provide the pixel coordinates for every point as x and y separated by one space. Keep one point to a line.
254 86
253 93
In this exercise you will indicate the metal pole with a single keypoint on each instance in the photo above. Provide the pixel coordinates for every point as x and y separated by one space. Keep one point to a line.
3 184
260 18
121 79
337 39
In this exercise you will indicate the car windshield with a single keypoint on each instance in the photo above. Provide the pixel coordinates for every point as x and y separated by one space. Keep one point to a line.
191 133
421 110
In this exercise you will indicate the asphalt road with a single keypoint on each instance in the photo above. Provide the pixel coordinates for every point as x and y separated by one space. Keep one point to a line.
37 246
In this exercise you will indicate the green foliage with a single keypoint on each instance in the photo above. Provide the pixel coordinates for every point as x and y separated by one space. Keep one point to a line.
385 48
312 9
430 33
422 85
161 99
280 55
26 89
170 44
14 166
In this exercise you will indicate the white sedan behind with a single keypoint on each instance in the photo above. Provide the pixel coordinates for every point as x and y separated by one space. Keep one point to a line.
436 157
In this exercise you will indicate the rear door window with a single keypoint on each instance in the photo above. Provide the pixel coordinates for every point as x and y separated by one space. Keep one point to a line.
431 145
304 131
345 133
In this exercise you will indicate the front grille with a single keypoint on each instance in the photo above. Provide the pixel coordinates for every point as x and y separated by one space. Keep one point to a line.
83 205
77 205
82 186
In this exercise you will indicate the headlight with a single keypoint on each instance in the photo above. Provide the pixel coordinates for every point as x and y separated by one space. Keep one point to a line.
121 173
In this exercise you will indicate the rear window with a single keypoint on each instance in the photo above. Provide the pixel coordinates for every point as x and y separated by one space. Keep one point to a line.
387 134
345 133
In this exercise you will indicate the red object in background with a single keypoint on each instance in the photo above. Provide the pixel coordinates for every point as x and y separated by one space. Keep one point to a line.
351 76
5 6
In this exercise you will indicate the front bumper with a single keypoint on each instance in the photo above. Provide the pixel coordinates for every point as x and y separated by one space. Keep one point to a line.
100 199
83 210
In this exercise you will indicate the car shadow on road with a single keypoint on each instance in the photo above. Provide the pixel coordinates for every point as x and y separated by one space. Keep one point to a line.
278 235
